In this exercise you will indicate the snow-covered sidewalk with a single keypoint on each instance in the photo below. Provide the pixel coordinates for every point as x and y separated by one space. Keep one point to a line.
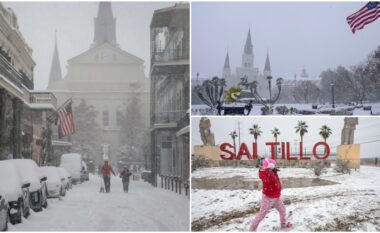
351 205
84 208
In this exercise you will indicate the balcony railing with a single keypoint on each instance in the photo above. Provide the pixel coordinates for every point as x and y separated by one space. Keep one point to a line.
169 116
169 55
9 72
43 97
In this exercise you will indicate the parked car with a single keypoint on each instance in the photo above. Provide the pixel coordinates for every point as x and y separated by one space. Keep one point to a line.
73 164
3 212
28 171
14 191
54 183
67 176
84 176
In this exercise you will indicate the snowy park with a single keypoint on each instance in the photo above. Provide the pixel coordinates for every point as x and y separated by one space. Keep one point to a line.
348 202
84 208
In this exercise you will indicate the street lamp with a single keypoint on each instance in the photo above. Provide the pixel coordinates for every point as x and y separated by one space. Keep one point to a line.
332 94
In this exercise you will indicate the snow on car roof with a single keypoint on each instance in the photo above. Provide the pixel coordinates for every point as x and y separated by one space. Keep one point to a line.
52 173
10 181
28 171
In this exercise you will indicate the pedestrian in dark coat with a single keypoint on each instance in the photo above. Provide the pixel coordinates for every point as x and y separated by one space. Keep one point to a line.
124 175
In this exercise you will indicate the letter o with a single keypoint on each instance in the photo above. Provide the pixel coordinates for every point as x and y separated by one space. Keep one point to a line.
327 150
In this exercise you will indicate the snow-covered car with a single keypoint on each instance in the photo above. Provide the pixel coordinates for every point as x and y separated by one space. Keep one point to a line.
73 164
55 183
28 171
3 212
67 176
84 176
14 191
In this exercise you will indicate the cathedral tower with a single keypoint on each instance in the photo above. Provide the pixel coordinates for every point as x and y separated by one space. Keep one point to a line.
55 69
105 26
267 70
226 68
247 57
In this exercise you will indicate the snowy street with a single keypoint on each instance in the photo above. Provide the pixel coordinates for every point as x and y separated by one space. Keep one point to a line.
352 204
84 208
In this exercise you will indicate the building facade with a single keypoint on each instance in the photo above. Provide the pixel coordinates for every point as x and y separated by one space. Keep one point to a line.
107 78
170 83
23 111
247 69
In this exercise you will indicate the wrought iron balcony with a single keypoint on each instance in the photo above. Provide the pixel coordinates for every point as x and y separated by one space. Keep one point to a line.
9 72
169 116
169 55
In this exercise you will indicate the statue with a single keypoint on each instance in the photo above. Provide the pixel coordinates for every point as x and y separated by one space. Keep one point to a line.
105 151
205 131
348 130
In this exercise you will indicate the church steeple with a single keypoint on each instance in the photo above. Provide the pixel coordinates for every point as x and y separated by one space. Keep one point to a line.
105 25
267 69
226 74
227 62
55 69
248 47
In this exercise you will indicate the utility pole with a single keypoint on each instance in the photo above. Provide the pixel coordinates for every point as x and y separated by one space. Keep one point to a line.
239 132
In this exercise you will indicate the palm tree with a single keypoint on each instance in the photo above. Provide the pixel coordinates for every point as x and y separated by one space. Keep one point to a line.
234 136
302 129
255 131
325 132
275 133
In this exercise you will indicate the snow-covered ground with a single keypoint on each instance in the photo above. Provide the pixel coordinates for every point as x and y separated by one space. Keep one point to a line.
203 109
84 208
351 205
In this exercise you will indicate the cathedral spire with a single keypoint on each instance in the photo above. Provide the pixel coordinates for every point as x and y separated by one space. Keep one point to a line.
267 63
227 62
55 69
105 25
248 48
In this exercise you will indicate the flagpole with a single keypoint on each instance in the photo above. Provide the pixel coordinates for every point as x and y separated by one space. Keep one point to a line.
55 112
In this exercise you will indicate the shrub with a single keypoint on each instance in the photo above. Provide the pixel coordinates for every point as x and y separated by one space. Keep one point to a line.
342 166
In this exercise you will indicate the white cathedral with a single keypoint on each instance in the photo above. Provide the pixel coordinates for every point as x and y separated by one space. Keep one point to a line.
248 69
106 77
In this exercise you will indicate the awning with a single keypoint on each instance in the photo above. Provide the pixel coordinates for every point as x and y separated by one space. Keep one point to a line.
184 130
60 143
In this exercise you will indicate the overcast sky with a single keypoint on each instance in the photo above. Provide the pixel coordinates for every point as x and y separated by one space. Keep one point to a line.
74 22
366 131
313 34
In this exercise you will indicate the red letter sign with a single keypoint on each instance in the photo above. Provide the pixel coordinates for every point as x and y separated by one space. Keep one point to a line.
224 148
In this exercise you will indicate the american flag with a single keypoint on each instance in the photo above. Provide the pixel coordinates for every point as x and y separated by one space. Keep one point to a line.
367 14
66 120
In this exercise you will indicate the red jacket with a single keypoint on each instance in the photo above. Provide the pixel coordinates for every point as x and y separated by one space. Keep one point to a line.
107 169
271 183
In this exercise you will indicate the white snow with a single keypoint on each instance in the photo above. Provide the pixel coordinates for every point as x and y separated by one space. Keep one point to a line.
202 109
28 171
10 182
84 208
351 205
251 173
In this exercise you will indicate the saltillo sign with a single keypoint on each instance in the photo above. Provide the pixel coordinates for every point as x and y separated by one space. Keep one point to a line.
228 152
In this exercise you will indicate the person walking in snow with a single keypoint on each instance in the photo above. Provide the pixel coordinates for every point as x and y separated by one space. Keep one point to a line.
106 171
271 195
124 175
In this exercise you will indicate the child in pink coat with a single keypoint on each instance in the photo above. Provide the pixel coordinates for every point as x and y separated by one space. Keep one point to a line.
271 195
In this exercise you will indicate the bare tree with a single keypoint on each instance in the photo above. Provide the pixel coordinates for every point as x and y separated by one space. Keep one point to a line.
306 92
133 129
88 135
